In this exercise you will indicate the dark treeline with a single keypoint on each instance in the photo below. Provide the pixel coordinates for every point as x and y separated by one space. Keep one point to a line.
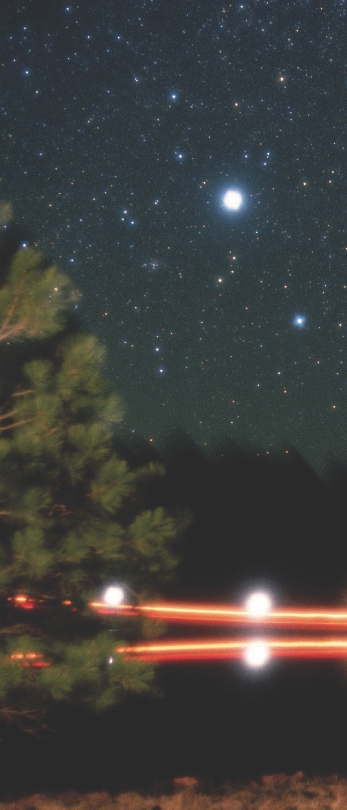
257 521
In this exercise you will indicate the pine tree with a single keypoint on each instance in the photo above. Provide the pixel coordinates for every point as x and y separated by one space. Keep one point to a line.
73 514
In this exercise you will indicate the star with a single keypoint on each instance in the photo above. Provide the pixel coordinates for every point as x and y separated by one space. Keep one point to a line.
299 320
232 200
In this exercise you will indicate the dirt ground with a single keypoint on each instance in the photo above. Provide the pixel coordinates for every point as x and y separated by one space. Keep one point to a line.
273 792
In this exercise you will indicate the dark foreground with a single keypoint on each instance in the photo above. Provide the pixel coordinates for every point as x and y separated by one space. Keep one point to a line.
275 792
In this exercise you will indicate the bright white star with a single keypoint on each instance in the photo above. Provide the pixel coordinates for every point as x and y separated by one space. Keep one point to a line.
232 200
299 321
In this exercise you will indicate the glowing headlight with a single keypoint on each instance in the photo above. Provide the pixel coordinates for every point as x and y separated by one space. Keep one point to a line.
257 654
113 596
258 604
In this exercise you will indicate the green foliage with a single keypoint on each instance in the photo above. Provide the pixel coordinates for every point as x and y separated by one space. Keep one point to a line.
150 537
73 514
87 673
34 298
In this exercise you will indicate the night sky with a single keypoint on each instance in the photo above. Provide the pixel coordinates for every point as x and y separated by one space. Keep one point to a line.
123 126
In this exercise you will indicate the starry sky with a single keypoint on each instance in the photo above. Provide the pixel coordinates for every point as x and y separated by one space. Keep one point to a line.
186 164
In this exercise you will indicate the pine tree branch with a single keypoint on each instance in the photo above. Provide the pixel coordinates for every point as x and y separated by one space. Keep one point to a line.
7 415
16 424
10 313
11 330
15 410
29 720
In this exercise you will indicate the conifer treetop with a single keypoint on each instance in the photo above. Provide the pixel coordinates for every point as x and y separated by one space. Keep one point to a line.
74 515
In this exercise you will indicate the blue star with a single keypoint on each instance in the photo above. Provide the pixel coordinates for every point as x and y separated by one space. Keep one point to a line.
299 321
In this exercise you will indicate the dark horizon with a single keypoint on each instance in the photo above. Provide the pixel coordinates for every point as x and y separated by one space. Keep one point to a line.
270 524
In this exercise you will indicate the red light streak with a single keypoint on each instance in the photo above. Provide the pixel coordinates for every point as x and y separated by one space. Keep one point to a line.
106 610
22 601
210 649
310 618
32 659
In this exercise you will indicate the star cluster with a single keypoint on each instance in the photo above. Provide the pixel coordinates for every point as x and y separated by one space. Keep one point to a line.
186 163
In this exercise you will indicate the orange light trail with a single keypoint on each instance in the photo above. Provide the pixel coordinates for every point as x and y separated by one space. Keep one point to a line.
308 618
121 610
22 601
210 649
29 659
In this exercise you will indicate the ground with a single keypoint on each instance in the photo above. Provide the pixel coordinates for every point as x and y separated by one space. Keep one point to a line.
273 792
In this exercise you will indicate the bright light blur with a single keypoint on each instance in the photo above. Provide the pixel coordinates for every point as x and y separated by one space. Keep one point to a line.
257 654
309 617
113 596
232 200
258 604
32 659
